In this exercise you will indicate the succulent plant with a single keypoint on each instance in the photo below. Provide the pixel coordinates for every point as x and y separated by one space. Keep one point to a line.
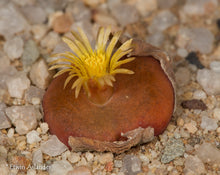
109 110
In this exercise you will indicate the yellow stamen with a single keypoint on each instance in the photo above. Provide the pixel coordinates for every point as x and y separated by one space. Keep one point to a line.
99 65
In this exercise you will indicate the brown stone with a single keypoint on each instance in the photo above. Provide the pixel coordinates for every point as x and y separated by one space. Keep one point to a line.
20 162
81 170
194 104
109 166
62 23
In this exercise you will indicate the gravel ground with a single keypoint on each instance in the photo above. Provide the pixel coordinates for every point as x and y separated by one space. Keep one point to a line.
189 30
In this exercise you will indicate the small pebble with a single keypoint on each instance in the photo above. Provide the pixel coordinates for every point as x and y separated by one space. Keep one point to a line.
121 11
104 19
34 14
194 140
4 121
146 6
156 39
209 80
62 23
191 127
109 166
216 113
4 169
39 31
153 153
34 95
179 161
11 132
144 158
131 165
190 38
188 95
194 104
192 58
169 168
209 124
17 23
17 84
180 121
50 41
105 158
193 69
6 72
65 155
156 164
44 128
14 47
82 162
23 117
21 145
182 76
74 157
162 21
215 66
199 95
37 157
208 153
193 165
4 61
200 7
171 127
173 149
80 170
60 167
40 75
53 147
30 54
79 10
182 52
3 152
89 156
118 163
33 137
31 172
20 161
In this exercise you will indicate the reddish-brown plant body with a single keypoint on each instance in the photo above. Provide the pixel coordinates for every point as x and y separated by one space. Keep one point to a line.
143 99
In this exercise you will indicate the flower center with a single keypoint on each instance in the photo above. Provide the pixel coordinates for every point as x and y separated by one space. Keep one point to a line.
95 65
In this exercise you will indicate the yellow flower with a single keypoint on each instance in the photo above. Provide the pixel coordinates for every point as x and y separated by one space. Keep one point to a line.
99 65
